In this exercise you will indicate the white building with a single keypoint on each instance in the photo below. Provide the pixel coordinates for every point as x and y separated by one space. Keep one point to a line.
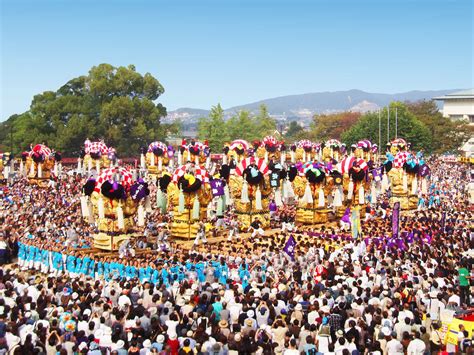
468 148
458 105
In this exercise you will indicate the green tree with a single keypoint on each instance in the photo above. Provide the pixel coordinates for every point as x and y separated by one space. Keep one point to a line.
116 104
242 126
325 127
213 128
446 135
409 128
294 132
265 124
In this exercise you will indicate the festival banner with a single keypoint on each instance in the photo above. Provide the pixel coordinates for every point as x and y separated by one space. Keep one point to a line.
355 222
275 179
346 218
443 221
217 187
289 248
377 174
395 219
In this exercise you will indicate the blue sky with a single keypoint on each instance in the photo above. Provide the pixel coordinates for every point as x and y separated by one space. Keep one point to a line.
236 52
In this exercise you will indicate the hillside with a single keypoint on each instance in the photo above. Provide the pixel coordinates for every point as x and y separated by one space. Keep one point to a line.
302 107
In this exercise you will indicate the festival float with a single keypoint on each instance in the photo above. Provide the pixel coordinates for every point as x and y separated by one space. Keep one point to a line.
6 165
364 149
356 181
312 185
407 173
304 151
251 190
235 152
195 152
156 158
113 201
332 151
270 149
188 194
96 155
39 164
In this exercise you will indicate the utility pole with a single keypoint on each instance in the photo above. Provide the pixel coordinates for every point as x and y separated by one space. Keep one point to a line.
380 132
11 138
396 122
388 123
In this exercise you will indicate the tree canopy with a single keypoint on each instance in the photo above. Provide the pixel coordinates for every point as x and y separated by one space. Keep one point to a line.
118 105
420 123
242 125
409 128
115 104
325 127
446 135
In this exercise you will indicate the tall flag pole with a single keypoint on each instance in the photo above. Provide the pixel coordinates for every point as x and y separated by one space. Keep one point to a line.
396 122
388 123
380 135
355 222
395 219
289 248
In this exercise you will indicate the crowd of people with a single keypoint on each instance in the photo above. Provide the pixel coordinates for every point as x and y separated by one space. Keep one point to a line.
243 295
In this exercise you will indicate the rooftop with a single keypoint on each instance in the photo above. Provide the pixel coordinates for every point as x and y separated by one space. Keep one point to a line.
464 94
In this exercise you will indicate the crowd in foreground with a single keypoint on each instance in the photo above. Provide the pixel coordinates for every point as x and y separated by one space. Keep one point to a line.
373 295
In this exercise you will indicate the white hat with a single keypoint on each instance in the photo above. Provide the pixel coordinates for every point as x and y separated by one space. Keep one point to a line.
299 307
74 297
87 312
98 333
152 310
325 309
180 302
120 344
250 313
135 289
160 339
386 331
147 343
82 346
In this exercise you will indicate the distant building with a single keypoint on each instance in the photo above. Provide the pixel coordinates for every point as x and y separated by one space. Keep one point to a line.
176 140
458 105
468 149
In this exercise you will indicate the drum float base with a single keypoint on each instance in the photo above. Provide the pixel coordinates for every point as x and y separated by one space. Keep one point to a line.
404 200
104 241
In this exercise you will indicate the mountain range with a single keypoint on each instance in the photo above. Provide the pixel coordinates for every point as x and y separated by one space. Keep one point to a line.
302 107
